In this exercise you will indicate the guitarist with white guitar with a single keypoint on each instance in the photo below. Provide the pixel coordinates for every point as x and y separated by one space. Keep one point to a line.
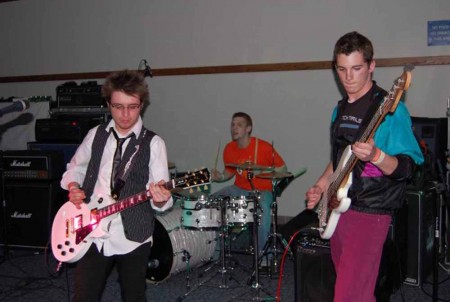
374 153
123 240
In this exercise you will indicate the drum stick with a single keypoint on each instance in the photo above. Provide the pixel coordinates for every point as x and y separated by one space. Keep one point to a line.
217 156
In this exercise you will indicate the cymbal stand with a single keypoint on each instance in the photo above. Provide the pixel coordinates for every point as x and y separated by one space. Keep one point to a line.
256 285
224 274
274 237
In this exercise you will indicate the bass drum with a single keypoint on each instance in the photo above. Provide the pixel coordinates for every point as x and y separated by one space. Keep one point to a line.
172 244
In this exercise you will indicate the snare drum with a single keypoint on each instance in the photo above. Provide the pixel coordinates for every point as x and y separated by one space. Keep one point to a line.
200 212
240 210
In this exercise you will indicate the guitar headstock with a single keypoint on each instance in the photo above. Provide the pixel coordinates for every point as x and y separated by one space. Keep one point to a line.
193 179
401 84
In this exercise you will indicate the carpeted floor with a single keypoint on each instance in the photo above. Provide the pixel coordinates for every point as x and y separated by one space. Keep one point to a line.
27 275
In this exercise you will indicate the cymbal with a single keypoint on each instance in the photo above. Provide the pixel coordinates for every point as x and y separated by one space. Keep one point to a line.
249 166
274 175
171 165
190 194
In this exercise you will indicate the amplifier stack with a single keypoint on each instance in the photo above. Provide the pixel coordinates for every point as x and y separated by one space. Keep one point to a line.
77 109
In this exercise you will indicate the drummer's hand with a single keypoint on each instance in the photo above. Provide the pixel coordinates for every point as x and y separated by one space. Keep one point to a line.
216 175
160 195
76 194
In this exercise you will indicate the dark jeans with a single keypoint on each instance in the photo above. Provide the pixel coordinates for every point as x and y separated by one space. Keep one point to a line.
93 270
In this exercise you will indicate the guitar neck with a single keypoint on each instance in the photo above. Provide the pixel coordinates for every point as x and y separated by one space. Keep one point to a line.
368 133
194 179
129 202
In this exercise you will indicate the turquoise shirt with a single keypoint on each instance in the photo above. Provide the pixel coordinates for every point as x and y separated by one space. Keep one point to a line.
395 136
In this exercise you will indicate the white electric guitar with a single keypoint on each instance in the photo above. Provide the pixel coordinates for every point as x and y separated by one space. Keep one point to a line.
73 229
341 179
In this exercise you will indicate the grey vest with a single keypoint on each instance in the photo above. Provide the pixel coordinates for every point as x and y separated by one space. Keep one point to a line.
138 221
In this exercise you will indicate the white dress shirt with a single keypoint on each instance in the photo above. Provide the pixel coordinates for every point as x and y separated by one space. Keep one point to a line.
116 243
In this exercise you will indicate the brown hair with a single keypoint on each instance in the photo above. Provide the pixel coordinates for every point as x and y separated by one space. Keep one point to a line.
129 82
246 117
353 41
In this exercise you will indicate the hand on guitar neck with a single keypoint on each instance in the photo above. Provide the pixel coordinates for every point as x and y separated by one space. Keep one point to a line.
160 195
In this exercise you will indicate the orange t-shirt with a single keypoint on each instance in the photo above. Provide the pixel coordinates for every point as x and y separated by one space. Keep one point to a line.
265 156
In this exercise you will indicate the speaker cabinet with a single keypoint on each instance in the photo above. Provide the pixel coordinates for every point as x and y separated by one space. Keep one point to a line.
419 216
314 274
433 131
314 270
28 212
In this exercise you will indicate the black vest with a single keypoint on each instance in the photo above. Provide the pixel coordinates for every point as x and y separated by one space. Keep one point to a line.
138 221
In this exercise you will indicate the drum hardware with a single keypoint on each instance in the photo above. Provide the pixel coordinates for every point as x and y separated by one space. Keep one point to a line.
186 259
254 282
280 180
223 270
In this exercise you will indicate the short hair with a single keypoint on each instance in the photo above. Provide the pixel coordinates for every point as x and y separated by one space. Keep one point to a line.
129 82
351 42
246 117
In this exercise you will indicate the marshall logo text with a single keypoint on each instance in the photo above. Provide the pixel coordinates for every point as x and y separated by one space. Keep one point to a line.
21 215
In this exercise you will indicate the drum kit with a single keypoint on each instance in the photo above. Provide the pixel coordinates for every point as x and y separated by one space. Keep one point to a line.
186 237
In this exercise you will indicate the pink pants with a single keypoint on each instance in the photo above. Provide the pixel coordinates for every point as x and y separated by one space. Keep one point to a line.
356 249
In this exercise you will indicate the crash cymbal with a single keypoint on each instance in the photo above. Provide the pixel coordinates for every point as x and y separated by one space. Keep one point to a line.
171 165
274 175
249 166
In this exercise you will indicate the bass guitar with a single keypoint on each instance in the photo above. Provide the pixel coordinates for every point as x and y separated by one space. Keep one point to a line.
341 179
73 229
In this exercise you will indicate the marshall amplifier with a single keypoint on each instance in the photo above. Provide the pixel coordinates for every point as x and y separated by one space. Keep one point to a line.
85 95
28 211
33 165
64 129
32 195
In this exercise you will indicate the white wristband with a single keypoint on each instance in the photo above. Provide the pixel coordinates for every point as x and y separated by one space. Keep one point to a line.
380 158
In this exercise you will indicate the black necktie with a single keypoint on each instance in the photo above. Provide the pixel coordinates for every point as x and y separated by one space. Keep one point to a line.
117 155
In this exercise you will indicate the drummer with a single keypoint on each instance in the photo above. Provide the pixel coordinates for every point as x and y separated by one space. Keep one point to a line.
246 153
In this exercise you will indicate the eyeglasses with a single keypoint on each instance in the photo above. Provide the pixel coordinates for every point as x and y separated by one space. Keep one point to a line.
121 107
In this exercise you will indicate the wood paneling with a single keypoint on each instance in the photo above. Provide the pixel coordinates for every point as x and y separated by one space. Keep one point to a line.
312 65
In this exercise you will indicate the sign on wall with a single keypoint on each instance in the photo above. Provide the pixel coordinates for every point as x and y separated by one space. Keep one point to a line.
439 32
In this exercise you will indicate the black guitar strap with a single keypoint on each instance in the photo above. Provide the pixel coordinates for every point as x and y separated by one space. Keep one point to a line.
378 95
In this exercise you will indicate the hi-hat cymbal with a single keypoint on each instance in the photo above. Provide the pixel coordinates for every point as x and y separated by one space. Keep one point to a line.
171 165
249 166
274 175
